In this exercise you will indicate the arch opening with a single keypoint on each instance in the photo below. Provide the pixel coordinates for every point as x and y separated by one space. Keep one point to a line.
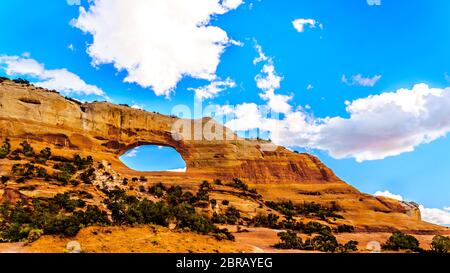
154 158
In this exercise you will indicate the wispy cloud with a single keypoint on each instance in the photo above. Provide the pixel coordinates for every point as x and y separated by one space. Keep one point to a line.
213 89
132 153
360 80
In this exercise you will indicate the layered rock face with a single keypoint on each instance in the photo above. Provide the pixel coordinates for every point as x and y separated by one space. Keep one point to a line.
208 148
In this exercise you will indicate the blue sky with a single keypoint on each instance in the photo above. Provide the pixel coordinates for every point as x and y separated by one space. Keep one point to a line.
331 64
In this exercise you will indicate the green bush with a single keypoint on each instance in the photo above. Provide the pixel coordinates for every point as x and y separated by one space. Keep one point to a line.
440 244
157 190
82 163
27 150
88 176
5 149
344 228
289 240
232 215
270 220
401 241
43 156
238 184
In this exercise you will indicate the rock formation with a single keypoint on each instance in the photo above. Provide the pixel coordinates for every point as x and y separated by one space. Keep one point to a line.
27 112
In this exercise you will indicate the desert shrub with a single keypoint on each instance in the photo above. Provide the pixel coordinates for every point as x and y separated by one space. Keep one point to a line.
66 167
143 179
64 201
27 150
232 215
63 177
5 149
218 182
401 241
205 186
41 172
218 218
4 179
261 220
58 158
315 227
141 188
43 155
289 240
238 184
26 221
308 209
157 190
174 195
88 176
440 244
202 195
350 246
325 242
82 163
125 181
344 228
21 81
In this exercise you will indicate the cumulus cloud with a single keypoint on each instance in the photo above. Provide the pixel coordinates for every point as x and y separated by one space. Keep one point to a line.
378 126
360 80
213 89
388 194
431 215
435 216
61 80
157 42
301 23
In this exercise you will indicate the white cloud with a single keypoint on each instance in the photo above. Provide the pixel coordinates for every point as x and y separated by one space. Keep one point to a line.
435 216
268 81
213 89
388 194
132 153
137 106
374 2
157 42
268 78
71 47
309 87
301 23
360 80
378 126
276 102
261 56
431 215
61 80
